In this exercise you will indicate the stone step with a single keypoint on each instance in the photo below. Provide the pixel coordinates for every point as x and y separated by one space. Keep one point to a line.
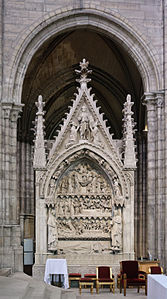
39 290
12 288
35 291
5 272
21 286
68 294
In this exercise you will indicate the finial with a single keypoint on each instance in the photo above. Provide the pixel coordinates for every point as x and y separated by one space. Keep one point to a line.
40 104
83 72
128 98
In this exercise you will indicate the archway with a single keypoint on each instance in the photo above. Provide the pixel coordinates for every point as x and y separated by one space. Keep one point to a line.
49 71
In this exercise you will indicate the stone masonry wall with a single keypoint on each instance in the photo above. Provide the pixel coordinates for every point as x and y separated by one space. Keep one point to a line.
18 18
144 16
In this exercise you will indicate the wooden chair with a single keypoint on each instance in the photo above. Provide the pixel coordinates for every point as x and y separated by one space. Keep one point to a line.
74 277
85 282
131 276
104 277
155 270
91 276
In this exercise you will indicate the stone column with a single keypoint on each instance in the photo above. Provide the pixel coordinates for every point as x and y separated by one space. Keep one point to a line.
6 161
150 102
159 207
1 172
11 113
11 254
140 196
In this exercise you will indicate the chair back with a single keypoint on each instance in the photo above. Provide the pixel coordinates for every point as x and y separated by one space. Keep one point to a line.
104 272
130 268
156 270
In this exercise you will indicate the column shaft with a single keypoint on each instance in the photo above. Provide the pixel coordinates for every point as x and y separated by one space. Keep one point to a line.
150 101
159 179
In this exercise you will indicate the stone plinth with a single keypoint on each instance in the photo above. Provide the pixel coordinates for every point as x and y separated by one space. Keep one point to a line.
84 263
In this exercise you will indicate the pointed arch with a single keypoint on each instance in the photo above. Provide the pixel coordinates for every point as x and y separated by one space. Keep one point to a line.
101 159
112 25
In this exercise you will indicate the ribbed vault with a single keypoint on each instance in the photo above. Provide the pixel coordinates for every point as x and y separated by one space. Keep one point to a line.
51 74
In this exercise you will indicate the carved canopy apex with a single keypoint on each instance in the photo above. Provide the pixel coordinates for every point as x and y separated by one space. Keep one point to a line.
83 73
39 159
40 104
128 135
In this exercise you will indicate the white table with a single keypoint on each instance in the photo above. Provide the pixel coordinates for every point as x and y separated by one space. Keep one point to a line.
56 266
157 286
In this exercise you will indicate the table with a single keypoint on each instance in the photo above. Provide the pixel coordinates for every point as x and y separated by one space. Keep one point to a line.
157 286
56 266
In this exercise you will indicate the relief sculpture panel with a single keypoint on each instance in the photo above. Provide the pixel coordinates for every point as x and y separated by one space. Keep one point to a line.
84 127
86 206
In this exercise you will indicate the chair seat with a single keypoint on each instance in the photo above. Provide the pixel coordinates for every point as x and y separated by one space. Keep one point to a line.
135 281
105 280
84 279
90 275
74 275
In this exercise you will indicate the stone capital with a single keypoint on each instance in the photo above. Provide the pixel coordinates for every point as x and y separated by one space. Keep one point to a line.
11 110
149 100
160 99
6 107
16 109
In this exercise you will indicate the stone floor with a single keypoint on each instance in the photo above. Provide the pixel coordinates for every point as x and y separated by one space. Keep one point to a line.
105 294
21 286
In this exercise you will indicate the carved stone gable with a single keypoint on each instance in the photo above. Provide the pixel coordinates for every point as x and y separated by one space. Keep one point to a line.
84 124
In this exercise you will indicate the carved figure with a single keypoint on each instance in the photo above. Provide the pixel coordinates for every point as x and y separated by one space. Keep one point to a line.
84 123
97 248
52 230
71 209
66 208
60 210
116 230
52 187
40 104
118 200
73 132
84 175
95 132
64 185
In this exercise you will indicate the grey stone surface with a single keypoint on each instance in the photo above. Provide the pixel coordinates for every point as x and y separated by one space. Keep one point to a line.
86 212
21 286
140 28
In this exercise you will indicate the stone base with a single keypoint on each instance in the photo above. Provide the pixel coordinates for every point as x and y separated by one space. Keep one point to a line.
11 252
82 263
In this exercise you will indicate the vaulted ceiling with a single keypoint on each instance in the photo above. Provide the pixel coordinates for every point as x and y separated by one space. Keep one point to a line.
51 74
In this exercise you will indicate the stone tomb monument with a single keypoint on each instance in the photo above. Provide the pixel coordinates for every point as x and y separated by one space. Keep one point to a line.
84 187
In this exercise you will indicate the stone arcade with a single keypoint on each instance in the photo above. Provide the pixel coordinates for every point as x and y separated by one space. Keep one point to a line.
85 188
41 44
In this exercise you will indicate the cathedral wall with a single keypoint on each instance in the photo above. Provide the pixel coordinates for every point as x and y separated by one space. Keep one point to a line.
20 18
